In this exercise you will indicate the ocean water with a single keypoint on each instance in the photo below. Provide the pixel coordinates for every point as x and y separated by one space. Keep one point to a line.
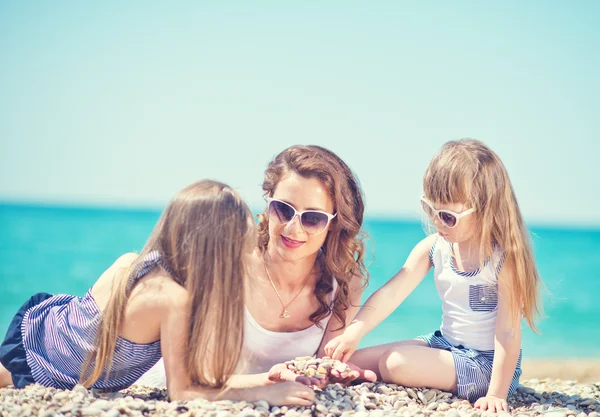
65 249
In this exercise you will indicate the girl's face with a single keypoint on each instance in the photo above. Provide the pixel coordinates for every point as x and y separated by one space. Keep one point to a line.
444 216
290 239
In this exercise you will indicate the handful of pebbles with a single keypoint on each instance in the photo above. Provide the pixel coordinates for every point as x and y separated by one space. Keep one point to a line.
316 367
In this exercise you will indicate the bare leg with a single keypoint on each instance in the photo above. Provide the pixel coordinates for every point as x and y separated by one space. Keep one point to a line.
368 358
419 366
5 377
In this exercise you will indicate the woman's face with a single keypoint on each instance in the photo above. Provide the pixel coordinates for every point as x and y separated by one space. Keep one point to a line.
290 240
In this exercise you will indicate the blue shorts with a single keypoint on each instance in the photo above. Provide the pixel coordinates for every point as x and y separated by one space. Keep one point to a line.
473 367
12 352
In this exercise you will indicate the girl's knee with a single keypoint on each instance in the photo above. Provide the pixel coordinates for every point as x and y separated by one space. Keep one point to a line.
391 365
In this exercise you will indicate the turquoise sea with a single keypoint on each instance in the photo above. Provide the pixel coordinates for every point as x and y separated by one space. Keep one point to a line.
65 249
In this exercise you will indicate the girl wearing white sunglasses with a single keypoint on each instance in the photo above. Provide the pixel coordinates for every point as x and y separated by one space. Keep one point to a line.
486 278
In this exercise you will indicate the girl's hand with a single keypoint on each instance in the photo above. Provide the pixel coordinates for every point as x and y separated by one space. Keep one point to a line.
287 393
491 403
341 347
280 373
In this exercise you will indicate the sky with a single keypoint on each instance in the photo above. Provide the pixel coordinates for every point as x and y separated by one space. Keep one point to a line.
124 103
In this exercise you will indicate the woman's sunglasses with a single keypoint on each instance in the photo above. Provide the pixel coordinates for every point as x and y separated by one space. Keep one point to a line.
448 218
312 221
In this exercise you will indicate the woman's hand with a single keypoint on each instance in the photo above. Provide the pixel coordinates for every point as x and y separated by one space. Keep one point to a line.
280 373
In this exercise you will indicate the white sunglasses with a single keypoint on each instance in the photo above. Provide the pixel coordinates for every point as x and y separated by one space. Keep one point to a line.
312 221
447 217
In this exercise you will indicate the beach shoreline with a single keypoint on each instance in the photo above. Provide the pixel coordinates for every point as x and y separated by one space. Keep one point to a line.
582 370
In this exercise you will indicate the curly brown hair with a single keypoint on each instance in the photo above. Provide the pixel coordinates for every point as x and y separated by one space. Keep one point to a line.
342 255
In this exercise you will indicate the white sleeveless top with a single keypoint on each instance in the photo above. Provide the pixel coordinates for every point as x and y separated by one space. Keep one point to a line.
262 348
469 299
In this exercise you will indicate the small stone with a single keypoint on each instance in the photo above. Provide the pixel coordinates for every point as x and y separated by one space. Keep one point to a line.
525 390
81 389
432 406
429 396
100 405
59 396
335 411
443 407
263 404
412 393
382 389
89 411
555 414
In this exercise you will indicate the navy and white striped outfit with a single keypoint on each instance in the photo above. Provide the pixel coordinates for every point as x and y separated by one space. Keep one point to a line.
51 337
469 309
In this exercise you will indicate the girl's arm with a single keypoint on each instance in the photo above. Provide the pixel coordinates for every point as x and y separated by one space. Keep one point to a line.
173 335
335 327
507 346
384 301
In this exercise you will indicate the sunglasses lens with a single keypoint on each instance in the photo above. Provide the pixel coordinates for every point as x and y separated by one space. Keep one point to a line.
281 212
448 219
314 222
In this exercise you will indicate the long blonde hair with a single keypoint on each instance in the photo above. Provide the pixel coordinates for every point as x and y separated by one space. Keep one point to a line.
467 171
202 237
342 253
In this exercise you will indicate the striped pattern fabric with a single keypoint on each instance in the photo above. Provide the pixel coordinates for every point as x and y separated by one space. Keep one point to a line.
483 297
473 367
59 333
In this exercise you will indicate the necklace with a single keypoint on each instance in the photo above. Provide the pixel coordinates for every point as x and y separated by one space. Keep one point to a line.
284 314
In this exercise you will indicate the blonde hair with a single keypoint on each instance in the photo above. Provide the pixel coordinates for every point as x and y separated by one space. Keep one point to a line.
342 253
467 171
202 237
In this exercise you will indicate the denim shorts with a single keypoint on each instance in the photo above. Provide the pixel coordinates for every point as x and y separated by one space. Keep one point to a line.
473 367
12 352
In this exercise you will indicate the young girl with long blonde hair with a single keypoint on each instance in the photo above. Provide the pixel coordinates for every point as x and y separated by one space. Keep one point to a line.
486 277
181 298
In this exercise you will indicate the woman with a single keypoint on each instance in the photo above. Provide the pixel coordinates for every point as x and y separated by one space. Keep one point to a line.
307 272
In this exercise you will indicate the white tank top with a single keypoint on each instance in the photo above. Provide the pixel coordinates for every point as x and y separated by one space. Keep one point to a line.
264 348
469 299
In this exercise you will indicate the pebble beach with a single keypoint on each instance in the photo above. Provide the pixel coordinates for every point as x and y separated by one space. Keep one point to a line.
536 397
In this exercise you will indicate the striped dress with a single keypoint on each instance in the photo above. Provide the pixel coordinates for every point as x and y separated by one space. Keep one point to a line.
59 333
